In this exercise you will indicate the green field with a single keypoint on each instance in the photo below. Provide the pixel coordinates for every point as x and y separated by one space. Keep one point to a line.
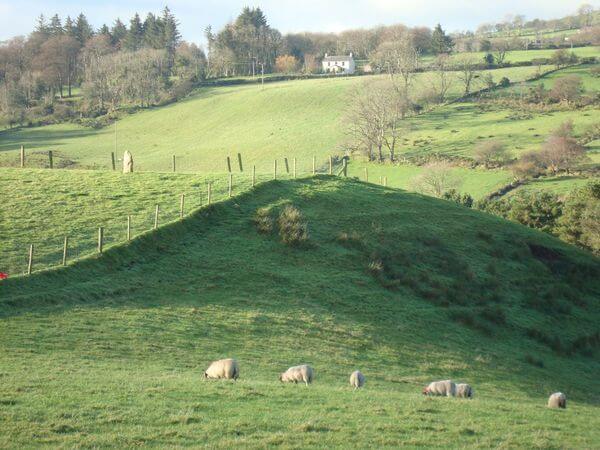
560 186
109 352
294 119
41 207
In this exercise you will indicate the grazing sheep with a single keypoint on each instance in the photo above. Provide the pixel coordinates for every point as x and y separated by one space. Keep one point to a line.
357 379
464 390
446 388
557 400
295 374
223 368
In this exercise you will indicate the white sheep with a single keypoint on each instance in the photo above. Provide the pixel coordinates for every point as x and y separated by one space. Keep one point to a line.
295 374
464 390
223 368
557 400
357 379
446 388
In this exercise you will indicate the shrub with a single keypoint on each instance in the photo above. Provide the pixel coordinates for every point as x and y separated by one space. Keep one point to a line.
293 229
504 82
263 220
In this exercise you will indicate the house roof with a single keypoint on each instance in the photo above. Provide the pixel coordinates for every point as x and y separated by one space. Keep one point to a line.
338 58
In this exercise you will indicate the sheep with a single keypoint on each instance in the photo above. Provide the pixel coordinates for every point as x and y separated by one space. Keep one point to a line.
446 388
357 379
557 400
464 390
223 368
295 374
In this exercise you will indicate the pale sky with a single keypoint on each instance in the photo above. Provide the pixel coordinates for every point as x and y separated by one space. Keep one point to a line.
18 17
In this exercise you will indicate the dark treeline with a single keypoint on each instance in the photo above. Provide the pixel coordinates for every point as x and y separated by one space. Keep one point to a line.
140 64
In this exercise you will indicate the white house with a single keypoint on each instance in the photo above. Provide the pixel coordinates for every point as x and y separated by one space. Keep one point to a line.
339 64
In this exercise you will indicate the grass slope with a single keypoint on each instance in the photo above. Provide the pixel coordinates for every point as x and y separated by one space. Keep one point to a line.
109 352
294 119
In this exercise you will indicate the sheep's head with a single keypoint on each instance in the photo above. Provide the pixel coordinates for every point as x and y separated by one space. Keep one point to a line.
425 390
205 375
281 377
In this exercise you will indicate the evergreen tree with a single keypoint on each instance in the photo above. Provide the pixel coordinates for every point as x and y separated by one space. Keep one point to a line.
133 38
153 32
41 27
69 27
440 41
104 30
55 28
171 35
83 29
118 33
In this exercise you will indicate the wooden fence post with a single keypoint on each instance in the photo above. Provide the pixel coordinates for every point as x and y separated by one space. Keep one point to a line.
112 159
209 189
50 159
100 239
30 264
230 184
314 165
156 211
128 228
240 162
22 156
64 261
181 205
345 167
294 167
385 181
173 163
253 176
275 170
366 175
228 164
330 165
287 167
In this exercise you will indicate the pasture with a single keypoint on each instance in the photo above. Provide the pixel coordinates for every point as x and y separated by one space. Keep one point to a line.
109 352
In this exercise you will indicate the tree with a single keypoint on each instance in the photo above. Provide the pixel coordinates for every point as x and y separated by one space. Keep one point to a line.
562 57
374 118
286 64
118 33
55 28
399 59
580 221
489 59
83 30
561 151
153 32
440 42
436 179
586 14
135 34
57 61
491 152
467 71
171 35
501 47
441 81
567 89
528 165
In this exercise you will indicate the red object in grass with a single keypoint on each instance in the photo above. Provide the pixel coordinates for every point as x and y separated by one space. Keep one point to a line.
3 275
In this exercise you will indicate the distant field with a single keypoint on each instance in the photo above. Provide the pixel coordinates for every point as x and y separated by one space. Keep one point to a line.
477 183
294 119
560 186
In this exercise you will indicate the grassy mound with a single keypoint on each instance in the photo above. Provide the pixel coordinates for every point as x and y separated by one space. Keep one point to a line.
110 351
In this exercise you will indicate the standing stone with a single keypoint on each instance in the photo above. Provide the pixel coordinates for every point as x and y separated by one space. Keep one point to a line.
127 162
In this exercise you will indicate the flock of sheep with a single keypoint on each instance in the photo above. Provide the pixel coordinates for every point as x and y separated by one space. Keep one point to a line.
229 369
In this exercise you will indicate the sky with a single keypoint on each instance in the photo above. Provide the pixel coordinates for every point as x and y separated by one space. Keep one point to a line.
18 17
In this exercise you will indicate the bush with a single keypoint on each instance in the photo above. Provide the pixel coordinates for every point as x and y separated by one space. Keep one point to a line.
263 220
504 82
455 196
534 361
293 229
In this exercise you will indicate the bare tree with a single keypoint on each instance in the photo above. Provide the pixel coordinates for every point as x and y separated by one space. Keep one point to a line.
467 71
442 77
501 47
561 151
491 152
436 179
399 59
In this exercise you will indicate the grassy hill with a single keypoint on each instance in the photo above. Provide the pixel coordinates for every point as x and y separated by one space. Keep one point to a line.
109 352
294 119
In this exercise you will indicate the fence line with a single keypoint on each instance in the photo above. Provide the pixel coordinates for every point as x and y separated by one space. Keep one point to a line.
73 253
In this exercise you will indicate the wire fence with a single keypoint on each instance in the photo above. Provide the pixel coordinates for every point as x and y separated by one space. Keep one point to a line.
87 236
